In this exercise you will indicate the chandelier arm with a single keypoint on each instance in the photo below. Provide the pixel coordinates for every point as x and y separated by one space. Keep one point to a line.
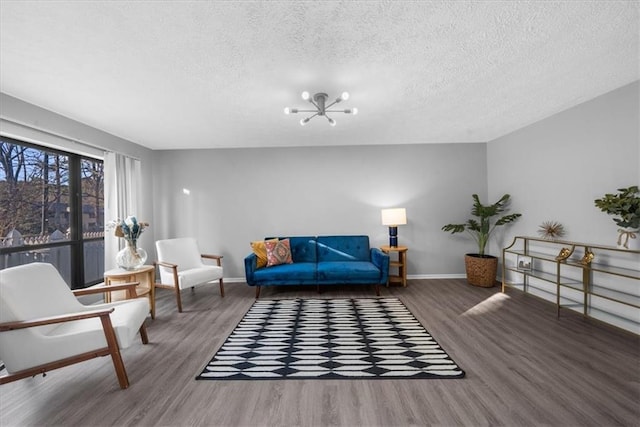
311 117
336 111
331 121
314 104
307 111
330 105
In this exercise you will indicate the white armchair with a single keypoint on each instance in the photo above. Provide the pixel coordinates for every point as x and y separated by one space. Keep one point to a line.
44 327
180 266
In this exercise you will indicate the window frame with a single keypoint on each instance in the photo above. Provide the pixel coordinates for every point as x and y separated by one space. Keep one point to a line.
77 239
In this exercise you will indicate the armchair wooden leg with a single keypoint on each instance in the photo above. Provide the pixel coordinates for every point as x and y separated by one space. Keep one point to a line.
152 300
257 292
221 288
377 290
114 350
143 334
178 300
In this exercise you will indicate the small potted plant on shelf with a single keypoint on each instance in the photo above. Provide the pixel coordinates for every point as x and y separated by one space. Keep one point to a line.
625 206
481 268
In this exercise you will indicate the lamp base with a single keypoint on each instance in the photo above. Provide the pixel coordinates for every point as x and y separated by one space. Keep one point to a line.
393 237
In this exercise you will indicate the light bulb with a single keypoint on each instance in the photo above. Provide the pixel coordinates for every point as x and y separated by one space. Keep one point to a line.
344 96
305 95
354 111
332 122
304 121
287 110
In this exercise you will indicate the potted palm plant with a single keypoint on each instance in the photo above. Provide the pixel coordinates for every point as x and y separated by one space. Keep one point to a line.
481 268
625 206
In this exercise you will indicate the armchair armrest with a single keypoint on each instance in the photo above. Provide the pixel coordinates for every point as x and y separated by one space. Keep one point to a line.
381 260
250 266
174 268
218 258
129 287
49 320
165 264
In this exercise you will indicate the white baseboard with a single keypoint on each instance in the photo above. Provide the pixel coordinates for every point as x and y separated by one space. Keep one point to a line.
436 276
235 280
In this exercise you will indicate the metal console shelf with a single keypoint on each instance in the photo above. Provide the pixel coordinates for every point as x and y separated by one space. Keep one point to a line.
585 277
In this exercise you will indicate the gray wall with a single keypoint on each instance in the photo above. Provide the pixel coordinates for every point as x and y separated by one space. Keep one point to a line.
32 123
240 195
556 168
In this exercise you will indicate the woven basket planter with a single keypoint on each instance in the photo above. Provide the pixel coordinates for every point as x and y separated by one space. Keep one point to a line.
481 270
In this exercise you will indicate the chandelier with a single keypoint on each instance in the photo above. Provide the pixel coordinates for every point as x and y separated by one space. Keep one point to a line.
319 101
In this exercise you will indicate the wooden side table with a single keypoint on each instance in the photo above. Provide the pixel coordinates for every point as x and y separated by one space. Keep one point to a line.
145 275
400 263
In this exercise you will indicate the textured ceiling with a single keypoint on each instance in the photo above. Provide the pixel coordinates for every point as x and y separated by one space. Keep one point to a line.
196 74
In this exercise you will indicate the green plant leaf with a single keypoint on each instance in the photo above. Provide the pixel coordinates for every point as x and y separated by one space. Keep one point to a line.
481 230
625 206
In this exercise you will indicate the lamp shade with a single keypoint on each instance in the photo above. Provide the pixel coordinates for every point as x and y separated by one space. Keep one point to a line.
393 217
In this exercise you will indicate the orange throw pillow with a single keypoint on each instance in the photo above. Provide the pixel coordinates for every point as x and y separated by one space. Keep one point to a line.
260 250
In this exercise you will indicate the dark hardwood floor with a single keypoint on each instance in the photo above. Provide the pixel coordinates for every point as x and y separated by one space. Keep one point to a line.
523 367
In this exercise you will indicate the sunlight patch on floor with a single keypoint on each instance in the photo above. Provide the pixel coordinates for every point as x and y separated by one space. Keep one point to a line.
492 303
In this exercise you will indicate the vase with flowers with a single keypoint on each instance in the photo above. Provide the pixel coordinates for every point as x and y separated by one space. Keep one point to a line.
131 257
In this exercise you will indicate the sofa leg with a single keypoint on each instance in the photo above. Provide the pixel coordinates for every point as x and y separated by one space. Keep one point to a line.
318 288
257 292
377 290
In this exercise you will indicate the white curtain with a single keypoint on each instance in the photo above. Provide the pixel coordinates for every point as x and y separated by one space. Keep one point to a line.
122 191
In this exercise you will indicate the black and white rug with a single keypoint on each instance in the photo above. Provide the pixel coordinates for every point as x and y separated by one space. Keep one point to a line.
330 339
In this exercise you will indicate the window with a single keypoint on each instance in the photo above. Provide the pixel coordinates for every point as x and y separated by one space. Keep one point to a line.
52 210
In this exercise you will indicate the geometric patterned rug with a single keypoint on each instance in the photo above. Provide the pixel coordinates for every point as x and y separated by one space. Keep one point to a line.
330 339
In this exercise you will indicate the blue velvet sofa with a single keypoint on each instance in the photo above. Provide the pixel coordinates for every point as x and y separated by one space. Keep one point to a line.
323 260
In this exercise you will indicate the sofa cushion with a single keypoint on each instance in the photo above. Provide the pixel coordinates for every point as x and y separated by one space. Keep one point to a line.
298 273
278 252
260 250
347 272
343 248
